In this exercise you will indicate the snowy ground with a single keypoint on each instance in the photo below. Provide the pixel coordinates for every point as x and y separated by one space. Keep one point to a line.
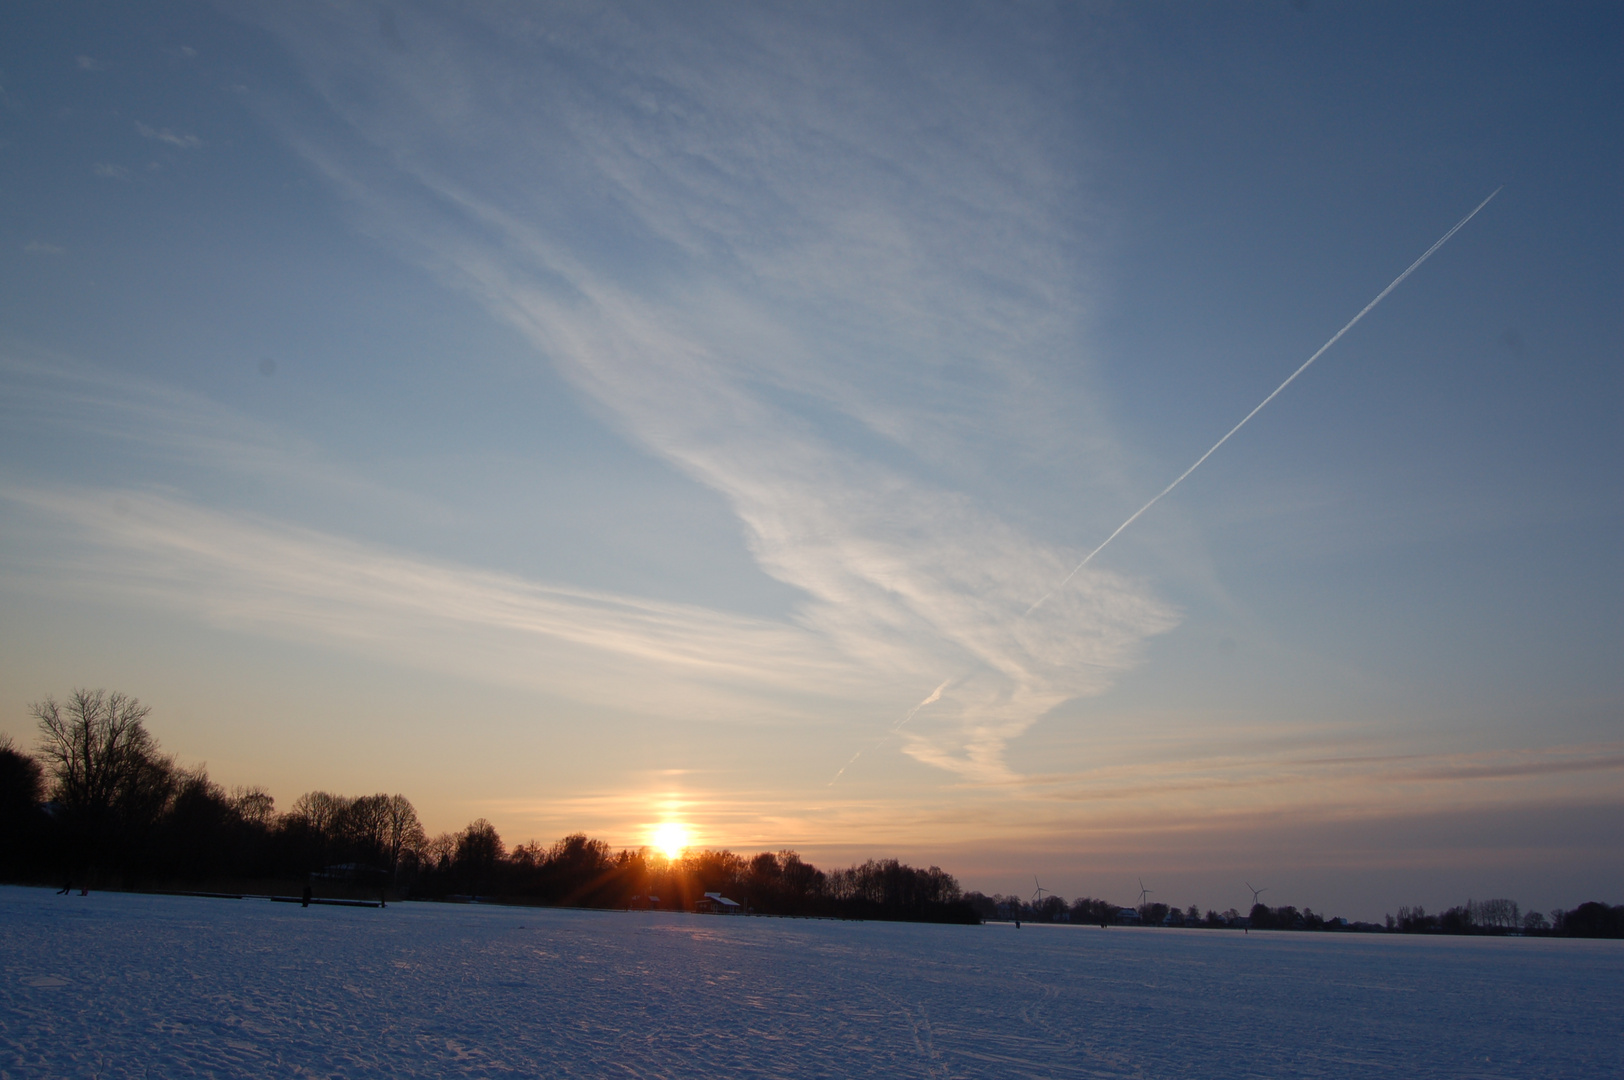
116 985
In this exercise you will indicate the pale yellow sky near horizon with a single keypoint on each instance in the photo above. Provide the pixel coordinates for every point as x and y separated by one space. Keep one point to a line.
1320 820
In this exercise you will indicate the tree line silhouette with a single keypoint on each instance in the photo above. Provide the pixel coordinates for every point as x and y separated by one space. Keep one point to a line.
1591 919
579 871
1088 910
1481 917
99 804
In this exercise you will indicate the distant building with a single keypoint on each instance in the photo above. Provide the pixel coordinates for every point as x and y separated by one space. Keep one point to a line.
714 903
1128 917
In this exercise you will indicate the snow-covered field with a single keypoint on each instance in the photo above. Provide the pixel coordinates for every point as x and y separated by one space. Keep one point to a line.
114 985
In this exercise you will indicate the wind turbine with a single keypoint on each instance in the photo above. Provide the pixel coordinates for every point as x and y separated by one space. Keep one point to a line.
1143 892
1037 896
1256 893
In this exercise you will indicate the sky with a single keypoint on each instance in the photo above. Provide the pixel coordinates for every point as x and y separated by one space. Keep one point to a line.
597 416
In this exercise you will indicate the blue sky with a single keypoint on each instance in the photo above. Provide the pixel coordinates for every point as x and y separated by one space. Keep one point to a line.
587 415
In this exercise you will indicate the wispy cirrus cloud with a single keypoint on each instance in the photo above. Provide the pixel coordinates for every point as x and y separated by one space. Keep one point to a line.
826 273
251 571
53 398
183 140
246 572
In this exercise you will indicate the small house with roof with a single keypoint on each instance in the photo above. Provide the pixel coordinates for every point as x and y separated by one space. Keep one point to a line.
714 903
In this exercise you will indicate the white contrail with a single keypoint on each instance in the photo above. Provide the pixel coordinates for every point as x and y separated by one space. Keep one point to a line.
846 766
1318 353
935 695
1425 255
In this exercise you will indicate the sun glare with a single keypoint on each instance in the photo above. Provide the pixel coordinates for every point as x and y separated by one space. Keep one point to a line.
671 838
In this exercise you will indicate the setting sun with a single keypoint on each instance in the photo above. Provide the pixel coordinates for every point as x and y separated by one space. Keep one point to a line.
671 838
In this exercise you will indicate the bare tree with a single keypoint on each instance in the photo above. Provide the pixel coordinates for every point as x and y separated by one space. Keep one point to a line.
325 820
403 833
324 813
254 804
93 746
106 771
367 822
380 827
1499 914
439 851
479 844
479 852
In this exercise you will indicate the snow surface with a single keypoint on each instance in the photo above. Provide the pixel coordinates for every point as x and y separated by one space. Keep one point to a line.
118 985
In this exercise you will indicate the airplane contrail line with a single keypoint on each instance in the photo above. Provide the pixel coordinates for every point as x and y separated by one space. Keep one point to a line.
935 695
1259 408
1395 283
848 765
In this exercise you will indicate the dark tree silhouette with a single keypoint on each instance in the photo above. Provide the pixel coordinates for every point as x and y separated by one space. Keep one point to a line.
22 824
403 835
1593 919
196 838
479 850
96 746
107 777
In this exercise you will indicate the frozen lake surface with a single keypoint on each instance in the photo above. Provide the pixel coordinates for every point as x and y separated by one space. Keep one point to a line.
114 985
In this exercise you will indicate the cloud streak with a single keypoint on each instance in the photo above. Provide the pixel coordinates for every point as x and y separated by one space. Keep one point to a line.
248 573
155 427
164 135
751 244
